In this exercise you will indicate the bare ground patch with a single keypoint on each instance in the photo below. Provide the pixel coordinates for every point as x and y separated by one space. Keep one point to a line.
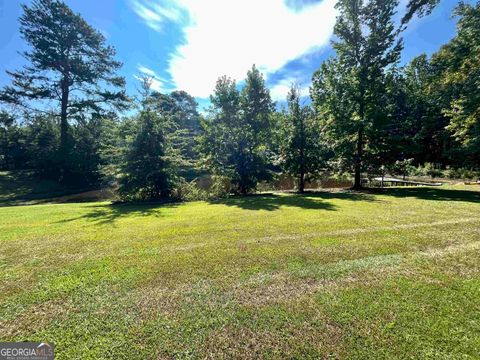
36 318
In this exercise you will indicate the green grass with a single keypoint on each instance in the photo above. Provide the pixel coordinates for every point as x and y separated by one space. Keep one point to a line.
341 275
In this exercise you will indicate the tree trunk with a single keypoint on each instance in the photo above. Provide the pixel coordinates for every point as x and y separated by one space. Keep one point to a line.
63 117
64 148
243 190
301 178
301 182
358 161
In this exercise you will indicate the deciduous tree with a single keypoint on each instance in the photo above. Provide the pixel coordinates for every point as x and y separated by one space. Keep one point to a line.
349 92
300 149
235 133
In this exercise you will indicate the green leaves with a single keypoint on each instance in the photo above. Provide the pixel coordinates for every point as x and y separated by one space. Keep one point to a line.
458 64
235 134
354 94
300 149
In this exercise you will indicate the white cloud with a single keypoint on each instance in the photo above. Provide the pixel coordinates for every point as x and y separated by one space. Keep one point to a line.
155 14
157 83
147 71
280 90
225 37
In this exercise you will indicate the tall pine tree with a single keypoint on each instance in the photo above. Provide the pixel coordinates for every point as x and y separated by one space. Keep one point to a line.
70 71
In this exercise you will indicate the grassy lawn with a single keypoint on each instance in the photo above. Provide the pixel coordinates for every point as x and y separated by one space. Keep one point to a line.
340 275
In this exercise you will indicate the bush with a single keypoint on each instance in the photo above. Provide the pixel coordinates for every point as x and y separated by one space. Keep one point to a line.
462 173
428 169
211 188
401 167
431 171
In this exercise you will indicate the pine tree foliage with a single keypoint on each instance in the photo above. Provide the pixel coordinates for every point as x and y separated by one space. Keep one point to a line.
147 172
70 70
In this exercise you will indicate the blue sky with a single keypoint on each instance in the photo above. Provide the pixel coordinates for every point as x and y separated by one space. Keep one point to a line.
188 44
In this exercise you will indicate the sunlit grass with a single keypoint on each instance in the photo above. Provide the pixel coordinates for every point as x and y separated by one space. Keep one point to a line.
362 275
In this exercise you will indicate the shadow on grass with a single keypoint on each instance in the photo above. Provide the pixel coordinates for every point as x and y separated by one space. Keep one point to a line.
428 193
109 213
23 187
308 200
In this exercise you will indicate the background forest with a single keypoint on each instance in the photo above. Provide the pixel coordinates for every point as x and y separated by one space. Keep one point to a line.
66 116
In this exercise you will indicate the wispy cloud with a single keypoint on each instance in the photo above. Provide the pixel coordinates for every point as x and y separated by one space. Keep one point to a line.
280 90
157 83
147 71
154 13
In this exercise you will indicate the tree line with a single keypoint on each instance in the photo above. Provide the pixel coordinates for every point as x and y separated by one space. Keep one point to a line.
66 114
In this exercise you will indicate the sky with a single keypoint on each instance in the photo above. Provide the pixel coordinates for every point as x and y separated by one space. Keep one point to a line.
188 44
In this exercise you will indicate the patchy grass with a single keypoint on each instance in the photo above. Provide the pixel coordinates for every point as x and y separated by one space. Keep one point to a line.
394 274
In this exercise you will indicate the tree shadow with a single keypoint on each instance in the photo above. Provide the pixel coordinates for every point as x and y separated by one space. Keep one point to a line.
109 213
429 193
307 200
24 187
